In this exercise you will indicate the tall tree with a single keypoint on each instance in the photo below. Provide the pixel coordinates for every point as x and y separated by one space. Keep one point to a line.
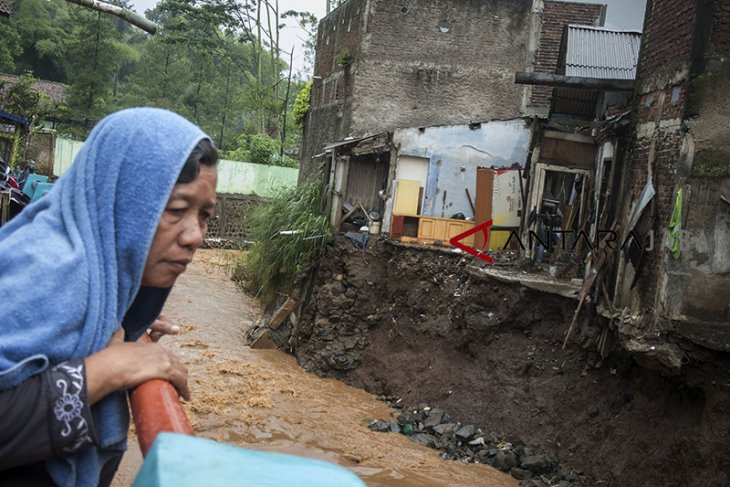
10 47
44 27
95 54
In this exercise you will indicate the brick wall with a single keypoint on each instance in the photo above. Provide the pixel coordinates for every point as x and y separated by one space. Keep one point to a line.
666 44
340 30
330 115
683 83
721 28
662 82
555 16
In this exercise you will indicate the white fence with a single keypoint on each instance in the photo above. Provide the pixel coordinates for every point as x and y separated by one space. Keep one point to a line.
234 177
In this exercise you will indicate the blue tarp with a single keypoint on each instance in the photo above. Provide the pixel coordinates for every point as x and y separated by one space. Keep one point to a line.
185 461
7 116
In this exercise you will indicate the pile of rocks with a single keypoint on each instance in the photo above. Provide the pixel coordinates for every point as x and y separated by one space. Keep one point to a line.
432 427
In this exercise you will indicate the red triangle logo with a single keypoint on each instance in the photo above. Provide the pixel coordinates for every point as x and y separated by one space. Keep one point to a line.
484 227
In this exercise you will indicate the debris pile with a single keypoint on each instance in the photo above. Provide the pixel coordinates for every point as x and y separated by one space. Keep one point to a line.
433 427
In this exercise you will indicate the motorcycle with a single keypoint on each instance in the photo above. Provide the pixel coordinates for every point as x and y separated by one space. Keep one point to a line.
16 200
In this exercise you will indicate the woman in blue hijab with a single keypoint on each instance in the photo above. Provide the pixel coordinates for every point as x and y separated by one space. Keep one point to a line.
83 273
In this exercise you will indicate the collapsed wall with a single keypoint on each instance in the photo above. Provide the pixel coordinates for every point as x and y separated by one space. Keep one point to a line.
426 326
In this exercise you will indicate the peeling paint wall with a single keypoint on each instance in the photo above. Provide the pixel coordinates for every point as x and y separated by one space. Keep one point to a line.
454 152
698 283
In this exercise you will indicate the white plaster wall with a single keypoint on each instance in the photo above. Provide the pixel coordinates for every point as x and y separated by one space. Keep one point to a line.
413 168
454 153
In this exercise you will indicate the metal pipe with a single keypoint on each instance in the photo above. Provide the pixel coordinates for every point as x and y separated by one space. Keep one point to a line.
155 408
123 13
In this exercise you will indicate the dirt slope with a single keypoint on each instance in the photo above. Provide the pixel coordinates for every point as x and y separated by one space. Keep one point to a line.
421 326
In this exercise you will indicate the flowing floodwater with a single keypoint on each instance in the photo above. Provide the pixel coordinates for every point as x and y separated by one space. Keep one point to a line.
261 399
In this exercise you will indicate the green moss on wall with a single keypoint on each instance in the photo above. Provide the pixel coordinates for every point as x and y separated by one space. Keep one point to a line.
705 87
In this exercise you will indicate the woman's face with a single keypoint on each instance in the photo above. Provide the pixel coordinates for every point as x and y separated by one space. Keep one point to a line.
181 229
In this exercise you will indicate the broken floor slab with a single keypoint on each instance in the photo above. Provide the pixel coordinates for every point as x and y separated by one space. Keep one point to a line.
538 282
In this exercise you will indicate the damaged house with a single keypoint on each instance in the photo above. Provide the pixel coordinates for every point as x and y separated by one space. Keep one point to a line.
652 153
442 104
614 359
428 138
578 164
676 190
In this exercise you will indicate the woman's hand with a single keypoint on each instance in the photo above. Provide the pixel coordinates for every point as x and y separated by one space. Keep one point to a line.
161 327
123 365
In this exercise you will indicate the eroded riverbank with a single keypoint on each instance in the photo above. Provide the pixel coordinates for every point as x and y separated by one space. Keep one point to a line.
424 326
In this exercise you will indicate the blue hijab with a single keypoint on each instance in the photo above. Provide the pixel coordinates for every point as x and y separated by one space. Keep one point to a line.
71 264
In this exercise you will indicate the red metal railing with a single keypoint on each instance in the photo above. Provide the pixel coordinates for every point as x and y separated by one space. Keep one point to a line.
156 407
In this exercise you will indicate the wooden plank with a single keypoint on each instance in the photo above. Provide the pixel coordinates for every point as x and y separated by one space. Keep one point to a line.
583 139
282 313
264 340
483 204
396 228
471 202
406 197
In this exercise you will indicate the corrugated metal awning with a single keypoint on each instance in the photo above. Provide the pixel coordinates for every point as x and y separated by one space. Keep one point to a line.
353 142
596 52
334 145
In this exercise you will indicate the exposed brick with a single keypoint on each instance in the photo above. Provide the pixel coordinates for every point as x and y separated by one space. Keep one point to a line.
555 16
671 32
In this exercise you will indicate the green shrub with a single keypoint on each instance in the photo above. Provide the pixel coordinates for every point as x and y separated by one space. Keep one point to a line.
343 57
301 105
275 258
260 149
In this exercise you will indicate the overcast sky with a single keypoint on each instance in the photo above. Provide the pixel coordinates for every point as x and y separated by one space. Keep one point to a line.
621 14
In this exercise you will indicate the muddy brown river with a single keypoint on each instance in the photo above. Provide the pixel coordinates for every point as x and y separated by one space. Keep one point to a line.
263 400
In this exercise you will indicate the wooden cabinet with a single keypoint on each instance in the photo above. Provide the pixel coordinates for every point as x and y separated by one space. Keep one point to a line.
396 227
432 229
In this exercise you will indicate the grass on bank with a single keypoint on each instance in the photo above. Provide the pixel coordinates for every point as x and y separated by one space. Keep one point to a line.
290 233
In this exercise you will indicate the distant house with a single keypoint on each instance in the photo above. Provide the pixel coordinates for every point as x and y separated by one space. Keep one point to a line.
57 92
40 145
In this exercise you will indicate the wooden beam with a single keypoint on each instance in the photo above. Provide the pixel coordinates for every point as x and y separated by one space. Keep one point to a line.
580 138
285 310
548 79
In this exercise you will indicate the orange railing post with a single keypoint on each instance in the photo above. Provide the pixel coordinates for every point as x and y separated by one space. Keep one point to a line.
156 407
